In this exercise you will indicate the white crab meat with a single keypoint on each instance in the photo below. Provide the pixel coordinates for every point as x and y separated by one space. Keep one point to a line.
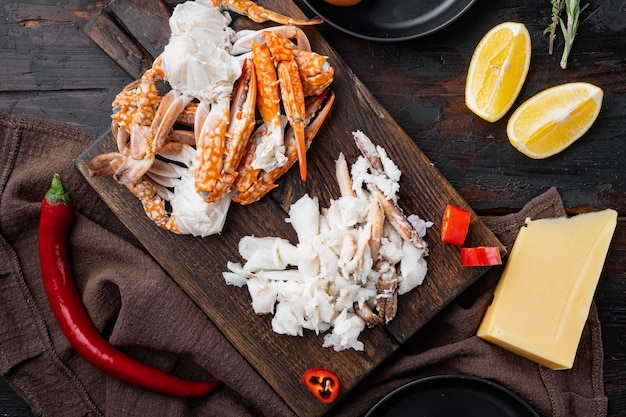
192 213
304 216
197 59
345 334
267 253
325 281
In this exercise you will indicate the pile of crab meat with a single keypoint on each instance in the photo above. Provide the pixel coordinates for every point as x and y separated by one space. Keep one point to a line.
241 108
350 263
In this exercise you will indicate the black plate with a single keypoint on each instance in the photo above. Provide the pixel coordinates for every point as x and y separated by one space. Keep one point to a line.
452 395
391 20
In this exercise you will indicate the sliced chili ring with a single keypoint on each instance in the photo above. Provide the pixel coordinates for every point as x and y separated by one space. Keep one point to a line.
323 383
481 256
455 225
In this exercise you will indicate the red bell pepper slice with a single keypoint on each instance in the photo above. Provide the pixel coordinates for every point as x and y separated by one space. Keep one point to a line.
481 256
324 384
455 225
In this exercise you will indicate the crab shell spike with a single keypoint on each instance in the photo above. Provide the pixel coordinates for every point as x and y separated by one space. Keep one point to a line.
260 14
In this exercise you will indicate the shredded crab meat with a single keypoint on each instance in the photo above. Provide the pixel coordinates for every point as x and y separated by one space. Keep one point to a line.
348 266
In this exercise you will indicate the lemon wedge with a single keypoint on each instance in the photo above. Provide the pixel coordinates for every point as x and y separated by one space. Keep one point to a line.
553 119
497 70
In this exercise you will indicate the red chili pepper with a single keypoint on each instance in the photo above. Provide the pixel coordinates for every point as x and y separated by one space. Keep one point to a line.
481 256
455 225
55 220
324 384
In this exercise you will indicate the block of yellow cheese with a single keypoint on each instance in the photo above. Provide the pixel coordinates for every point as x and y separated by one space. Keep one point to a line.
542 300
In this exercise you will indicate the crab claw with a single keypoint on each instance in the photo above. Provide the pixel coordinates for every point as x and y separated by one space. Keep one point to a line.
260 14
291 89
253 184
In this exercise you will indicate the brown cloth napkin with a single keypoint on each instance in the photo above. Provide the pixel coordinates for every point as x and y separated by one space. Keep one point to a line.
141 311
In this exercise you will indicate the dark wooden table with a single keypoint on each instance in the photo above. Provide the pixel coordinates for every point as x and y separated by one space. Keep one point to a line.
50 69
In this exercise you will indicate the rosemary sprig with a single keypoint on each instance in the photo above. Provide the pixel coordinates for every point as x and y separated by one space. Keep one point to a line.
557 8
573 11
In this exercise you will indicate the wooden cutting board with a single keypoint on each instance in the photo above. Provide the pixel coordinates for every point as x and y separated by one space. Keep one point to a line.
133 32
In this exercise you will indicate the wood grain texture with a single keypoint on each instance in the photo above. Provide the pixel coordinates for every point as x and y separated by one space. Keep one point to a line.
196 264
421 83
131 33
50 69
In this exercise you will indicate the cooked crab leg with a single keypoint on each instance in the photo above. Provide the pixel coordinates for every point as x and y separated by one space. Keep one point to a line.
252 184
315 71
149 128
102 165
260 14
393 213
242 119
171 106
210 147
153 205
151 138
244 38
145 190
141 134
239 130
270 153
122 137
290 90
